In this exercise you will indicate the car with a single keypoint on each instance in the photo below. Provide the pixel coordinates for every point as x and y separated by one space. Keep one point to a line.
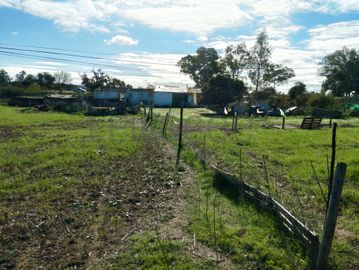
81 90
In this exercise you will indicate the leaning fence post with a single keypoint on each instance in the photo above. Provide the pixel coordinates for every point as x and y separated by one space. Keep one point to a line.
332 164
331 218
180 137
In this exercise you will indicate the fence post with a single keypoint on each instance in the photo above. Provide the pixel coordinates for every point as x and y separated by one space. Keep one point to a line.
283 122
236 121
331 218
164 125
332 164
180 137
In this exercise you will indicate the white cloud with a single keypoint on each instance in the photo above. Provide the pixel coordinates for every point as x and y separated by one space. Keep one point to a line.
121 40
14 33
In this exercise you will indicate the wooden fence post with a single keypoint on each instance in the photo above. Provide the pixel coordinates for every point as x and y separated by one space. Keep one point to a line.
332 164
164 125
236 121
331 218
180 138
283 122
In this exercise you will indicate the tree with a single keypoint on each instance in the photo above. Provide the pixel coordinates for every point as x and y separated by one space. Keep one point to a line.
201 67
265 94
221 90
298 94
28 80
20 77
45 80
62 78
341 70
261 54
236 59
100 80
277 74
4 77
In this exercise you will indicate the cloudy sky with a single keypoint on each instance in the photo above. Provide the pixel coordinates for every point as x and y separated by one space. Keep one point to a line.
140 41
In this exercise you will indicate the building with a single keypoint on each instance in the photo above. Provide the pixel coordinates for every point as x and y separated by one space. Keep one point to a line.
165 96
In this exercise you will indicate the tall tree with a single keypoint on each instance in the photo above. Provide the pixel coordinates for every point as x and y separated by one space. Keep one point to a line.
221 90
201 67
277 74
62 78
100 80
298 94
28 80
261 54
4 77
46 80
236 59
341 69
20 77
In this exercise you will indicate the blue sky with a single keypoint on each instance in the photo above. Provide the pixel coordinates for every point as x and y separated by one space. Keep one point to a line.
144 39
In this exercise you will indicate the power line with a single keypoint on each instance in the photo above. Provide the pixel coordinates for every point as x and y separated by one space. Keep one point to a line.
87 56
10 49
22 55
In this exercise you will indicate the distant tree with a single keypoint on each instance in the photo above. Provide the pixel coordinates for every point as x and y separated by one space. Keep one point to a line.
277 74
4 77
298 94
323 101
297 90
100 80
118 84
20 77
260 57
62 78
201 67
264 94
341 70
279 101
236 59
28 80
33 87
45 80
221 90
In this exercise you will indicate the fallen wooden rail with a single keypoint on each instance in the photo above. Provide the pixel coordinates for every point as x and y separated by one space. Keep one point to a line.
290 223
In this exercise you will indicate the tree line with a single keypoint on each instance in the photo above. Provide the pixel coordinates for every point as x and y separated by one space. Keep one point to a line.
42 80
242 71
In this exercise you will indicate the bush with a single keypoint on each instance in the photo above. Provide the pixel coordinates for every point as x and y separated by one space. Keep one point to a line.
11 91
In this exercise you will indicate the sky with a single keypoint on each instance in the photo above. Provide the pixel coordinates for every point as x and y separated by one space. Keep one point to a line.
143 40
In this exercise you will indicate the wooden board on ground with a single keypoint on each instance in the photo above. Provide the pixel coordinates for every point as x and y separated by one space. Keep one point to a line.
311 123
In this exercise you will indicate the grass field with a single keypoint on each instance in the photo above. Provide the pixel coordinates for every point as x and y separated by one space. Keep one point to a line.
74 189
290 156
81 192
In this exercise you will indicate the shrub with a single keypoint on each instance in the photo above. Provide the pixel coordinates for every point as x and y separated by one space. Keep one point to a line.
11 91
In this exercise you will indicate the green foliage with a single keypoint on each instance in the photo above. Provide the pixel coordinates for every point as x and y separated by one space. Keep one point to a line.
34 88
323 101
221 90
11 91
4 77
202 66
278 74
100 80
236 59
45 80
149 251
261 54
341 69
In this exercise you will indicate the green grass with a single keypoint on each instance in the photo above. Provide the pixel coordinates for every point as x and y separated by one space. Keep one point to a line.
249 236
149 251
289 154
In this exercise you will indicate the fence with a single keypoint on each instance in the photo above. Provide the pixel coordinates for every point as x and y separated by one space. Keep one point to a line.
309 238
238 187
